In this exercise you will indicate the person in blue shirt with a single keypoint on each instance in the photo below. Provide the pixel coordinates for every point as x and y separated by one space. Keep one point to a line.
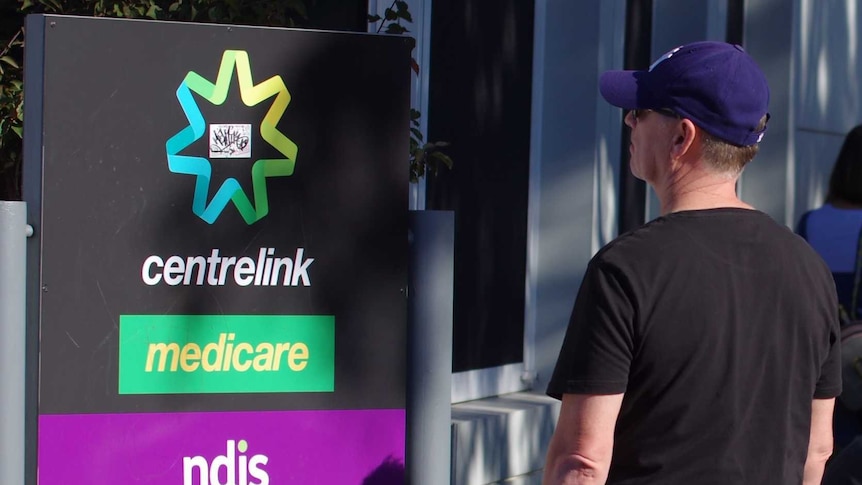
833 229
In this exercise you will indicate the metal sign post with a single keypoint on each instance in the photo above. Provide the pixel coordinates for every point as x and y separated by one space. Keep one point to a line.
13 254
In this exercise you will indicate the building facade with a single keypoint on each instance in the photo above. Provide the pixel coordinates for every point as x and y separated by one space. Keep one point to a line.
541 183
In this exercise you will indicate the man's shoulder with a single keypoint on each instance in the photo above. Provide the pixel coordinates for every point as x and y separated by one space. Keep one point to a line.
648 241
692 233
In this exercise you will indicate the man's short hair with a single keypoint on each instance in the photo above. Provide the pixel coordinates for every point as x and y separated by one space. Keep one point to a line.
724 157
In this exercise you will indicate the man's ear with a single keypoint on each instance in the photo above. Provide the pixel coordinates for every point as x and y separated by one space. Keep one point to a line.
683 138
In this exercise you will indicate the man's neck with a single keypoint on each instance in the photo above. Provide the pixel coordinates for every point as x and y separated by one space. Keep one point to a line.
698 190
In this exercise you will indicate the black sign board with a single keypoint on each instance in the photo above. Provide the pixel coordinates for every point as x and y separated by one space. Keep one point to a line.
220 216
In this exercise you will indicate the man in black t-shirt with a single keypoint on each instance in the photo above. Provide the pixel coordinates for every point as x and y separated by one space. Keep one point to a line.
703 346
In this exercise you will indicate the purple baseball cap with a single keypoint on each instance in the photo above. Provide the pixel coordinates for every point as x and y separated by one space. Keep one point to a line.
716 85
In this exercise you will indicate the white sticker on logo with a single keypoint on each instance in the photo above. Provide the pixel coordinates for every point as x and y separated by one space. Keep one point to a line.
665 57
230 141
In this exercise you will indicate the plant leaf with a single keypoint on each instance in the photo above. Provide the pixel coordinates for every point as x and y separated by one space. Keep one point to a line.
9 60
395 29
153 11
441 157
403 11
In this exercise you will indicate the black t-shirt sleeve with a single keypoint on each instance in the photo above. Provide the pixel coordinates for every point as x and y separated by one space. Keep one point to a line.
597 351
829 383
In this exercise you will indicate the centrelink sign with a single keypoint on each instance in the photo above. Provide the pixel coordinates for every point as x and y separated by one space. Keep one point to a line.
220 243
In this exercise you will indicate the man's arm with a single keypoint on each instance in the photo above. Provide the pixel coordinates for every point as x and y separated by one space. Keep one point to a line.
820 441
581 448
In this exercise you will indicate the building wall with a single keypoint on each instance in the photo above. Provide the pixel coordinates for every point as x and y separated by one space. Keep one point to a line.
576 145
827 97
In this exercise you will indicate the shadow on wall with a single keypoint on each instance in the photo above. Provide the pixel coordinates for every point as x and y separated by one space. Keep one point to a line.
390 472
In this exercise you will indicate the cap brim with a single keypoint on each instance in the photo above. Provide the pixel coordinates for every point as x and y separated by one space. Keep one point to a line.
620 88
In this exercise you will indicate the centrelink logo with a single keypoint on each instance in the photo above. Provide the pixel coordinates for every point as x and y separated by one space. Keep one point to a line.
236 467
231 140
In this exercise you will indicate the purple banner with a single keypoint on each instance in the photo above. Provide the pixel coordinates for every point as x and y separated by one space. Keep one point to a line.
361 447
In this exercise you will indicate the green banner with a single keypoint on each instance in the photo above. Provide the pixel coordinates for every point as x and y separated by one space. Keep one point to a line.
194 354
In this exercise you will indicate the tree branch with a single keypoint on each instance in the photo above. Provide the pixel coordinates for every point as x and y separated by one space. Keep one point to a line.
12 42
383 20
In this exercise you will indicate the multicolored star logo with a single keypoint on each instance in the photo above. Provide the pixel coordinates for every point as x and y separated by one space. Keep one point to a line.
200 167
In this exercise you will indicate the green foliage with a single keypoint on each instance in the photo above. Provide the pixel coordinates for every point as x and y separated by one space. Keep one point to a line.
424 157
11 116
280 13
277 13
393 16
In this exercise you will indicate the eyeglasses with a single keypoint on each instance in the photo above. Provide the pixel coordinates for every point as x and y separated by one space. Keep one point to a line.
638 113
